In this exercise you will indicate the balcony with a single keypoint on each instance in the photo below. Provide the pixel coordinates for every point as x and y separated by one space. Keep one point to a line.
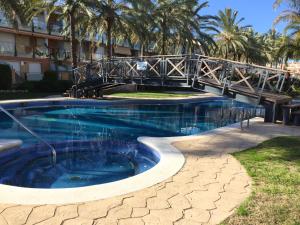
56 29
60 54
4 22
99 54
41 52
25 27
7 48
25 51
137 46
39 26
84 56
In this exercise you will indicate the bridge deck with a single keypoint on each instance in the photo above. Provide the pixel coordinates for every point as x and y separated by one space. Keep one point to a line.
253 81
239 89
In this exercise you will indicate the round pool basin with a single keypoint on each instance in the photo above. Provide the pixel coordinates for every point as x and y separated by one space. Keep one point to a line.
103 148
78 164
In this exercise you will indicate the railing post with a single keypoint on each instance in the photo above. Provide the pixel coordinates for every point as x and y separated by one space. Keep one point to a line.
248 119
259 83
198 70
186 69
282 84
162 69
131 75
224 77
263 86
242 118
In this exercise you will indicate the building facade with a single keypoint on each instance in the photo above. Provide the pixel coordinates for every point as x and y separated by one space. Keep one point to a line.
32 49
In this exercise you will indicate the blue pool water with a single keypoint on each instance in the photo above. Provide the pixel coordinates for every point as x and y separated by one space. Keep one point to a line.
98 144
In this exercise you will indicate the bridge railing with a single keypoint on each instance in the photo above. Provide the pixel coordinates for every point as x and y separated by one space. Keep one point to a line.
190 68
156 67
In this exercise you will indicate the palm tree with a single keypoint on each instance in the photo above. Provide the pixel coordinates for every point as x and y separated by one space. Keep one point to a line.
195 30
292 17
73 12
138 24
290 49
10 8
178 24
231 37
254 50
110 19
272 42
13 9
292 3
290 46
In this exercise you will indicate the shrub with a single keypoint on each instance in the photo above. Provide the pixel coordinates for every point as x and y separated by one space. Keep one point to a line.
50 86
50 76
5 77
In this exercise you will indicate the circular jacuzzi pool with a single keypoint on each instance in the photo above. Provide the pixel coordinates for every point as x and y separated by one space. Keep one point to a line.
78 164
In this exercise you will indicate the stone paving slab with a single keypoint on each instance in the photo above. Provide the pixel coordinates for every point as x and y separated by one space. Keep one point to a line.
208 189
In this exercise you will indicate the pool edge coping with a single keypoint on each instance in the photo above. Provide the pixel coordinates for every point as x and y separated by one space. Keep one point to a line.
171 162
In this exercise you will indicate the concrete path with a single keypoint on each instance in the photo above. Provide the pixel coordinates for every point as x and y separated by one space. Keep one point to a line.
208 188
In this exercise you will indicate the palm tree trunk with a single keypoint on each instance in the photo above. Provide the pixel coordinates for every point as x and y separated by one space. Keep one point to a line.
164 35
73 40
142 49
91 51
164 44
109 45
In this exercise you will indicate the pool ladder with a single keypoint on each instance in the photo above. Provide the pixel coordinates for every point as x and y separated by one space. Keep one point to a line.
53 151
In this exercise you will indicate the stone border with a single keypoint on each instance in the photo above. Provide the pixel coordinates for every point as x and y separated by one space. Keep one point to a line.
28 103
208 188
119 99
6 144
171 161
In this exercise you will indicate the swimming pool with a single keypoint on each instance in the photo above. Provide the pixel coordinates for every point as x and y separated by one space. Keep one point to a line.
96 142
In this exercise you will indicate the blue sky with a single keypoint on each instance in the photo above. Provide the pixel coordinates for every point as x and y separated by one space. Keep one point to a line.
258 13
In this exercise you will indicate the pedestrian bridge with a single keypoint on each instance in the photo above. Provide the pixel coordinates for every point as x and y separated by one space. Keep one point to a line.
254 83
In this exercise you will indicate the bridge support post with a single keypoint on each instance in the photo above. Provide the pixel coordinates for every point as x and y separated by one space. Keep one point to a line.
272 112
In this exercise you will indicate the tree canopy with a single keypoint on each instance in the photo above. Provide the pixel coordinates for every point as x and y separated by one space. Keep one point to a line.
167 27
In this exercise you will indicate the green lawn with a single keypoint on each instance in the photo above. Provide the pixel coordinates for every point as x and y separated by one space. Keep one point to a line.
27 95
275 169
152 95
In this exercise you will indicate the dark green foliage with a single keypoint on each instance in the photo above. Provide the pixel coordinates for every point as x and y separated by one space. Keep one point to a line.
50 76
46 86
5 77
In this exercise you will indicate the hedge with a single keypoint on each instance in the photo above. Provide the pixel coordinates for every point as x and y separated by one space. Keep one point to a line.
5 77
50 76
46 86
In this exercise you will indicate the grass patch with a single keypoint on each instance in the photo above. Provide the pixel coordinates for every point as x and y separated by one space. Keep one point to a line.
27 95
275 169
152 95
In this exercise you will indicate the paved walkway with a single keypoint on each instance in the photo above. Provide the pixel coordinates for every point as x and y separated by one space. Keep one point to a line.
207 189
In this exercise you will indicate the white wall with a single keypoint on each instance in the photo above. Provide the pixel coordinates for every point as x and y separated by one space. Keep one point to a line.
34 71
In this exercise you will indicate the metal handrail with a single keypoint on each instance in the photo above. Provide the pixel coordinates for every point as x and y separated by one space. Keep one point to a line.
53 151
215 59
185 66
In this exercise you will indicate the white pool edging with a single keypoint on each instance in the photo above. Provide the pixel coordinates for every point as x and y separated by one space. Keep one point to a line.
6 144
171 161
